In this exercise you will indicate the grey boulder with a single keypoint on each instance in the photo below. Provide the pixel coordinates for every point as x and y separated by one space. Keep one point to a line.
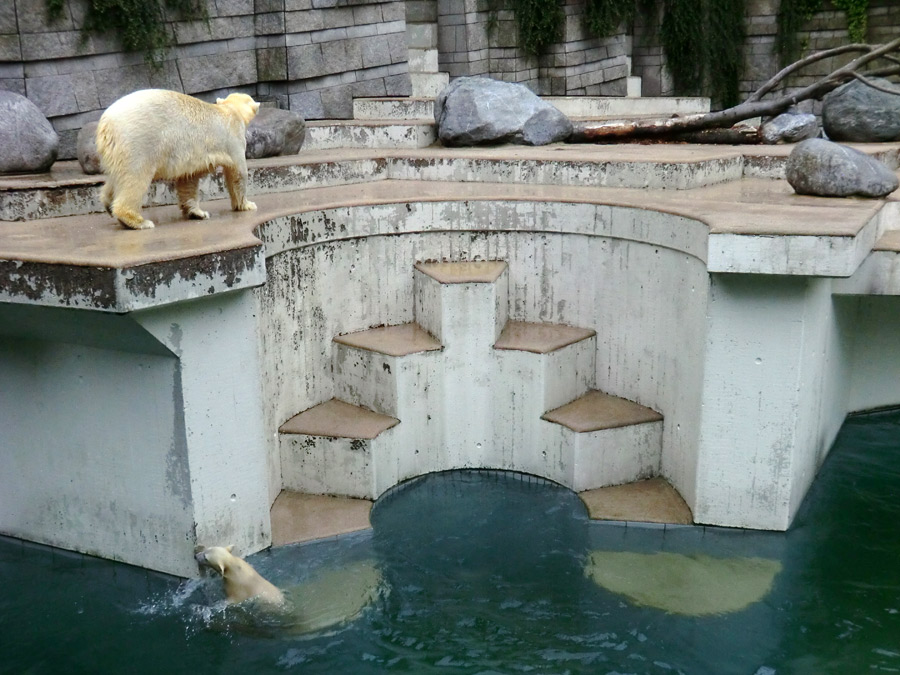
275 132
86 148
28 142
789 127
857 113
480 110
826 169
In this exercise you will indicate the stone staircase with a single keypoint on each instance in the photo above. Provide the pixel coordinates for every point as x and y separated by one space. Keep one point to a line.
407 123
463 386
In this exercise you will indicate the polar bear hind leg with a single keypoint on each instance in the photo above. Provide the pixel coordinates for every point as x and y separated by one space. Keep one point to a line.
107 193
186 187
129 195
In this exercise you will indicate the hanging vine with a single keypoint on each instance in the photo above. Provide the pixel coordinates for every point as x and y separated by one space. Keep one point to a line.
603 17
540 24
139 24
792 14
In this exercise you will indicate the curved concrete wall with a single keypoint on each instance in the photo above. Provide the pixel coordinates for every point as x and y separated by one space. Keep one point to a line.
637 277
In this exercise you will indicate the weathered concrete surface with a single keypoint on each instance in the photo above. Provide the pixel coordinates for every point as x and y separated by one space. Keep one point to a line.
153 446
298 517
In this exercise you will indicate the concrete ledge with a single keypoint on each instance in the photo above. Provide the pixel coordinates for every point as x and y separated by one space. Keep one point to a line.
596 411
409 338
337 419
298 517
647 501
540 338
463 272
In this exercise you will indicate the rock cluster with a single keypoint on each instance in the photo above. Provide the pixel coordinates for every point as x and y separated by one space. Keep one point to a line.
827 169
28 141
275 132
480 110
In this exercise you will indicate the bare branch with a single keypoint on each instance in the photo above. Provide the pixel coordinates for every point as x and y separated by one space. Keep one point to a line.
871 83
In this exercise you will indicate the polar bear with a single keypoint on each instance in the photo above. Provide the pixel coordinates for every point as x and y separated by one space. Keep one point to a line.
160 134
242 582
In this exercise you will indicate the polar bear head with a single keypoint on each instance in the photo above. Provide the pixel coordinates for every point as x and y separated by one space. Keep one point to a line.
219 558
243 106
242 582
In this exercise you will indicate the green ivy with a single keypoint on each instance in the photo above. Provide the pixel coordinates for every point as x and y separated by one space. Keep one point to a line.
792 14
603 17
857 17
139 24
540 24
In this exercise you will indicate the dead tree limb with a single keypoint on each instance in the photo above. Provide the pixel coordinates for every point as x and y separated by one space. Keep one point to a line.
755 106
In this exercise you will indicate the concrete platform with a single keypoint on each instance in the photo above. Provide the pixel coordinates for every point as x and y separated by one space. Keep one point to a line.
596 411
298 517
409 338
540 338
463 272
337 419
646 501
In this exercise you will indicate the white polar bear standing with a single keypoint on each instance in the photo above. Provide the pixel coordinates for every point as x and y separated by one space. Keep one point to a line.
242 582
160 134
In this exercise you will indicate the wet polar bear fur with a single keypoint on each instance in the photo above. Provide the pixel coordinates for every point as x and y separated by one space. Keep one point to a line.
159 134
242 582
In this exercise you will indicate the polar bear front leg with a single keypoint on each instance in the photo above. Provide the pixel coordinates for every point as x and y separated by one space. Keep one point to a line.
236 182
186 189
107 194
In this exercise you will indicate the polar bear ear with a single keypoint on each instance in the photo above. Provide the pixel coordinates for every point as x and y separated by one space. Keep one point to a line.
229 548
220 101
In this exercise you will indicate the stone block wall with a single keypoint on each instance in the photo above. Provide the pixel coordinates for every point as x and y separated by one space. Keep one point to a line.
578 64
312 56
826 29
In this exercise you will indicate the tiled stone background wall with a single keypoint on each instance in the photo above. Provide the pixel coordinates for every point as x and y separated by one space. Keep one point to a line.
579 64
312 56
826 29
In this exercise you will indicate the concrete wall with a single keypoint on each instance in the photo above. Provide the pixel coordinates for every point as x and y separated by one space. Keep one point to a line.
579 64
312 56
646 300
134 437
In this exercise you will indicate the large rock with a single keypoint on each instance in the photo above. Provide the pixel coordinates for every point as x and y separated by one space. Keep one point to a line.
826 169
86 148
789 127
857 113
28 142
479 110
275 132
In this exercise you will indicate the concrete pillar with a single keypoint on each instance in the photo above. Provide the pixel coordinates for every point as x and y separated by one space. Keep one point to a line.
134 436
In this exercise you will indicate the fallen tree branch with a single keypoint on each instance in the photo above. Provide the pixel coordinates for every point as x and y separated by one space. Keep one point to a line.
754 106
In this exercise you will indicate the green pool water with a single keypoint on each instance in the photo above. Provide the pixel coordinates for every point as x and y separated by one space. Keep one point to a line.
485 573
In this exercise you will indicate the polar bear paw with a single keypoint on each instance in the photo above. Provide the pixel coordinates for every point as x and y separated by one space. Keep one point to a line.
198 214
246 206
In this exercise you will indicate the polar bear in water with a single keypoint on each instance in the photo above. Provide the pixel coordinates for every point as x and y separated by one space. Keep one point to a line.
242 582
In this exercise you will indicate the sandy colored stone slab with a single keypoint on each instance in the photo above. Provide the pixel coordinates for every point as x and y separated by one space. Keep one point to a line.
408 338
463 272
338 419
540 338
646 501
889 241
300 517
595 411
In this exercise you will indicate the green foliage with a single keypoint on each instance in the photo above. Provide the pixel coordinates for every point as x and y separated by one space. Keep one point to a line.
139 24
603 17
792 14
857 17
703 41
540 24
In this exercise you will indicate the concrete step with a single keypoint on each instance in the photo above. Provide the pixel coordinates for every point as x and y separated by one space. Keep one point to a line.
298 517
538 366
421 107
387 369
331 449
646 501
611 440
370 133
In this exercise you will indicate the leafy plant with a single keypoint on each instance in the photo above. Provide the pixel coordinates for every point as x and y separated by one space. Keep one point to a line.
857 17
540 24
140 24
792 14
603 17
